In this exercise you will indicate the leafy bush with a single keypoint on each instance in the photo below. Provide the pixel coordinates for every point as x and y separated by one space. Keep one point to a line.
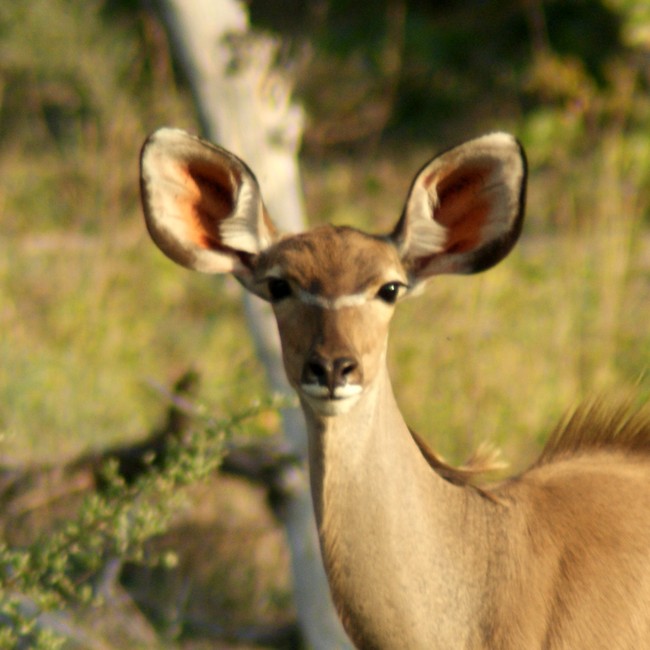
58 570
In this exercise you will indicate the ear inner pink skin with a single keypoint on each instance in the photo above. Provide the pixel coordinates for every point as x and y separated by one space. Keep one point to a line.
209 200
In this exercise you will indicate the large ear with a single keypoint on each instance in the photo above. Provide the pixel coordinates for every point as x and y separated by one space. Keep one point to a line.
202 205
465 209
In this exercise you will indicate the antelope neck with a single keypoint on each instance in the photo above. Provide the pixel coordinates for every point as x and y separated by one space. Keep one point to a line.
384 516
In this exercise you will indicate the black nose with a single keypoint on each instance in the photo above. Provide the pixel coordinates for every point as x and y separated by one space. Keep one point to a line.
330 373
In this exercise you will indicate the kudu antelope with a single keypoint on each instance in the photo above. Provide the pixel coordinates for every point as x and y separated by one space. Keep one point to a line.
416 556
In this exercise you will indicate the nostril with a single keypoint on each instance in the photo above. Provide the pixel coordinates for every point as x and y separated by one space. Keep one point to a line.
317 370
345 367
330 373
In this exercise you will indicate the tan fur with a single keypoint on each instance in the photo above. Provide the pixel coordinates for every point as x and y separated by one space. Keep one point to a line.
332 261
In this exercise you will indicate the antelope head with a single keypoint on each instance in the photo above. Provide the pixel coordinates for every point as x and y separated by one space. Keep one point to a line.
333 289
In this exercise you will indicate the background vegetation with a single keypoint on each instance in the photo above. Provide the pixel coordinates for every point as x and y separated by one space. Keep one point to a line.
91 315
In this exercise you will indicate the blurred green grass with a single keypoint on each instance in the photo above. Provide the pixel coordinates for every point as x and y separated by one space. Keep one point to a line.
90 312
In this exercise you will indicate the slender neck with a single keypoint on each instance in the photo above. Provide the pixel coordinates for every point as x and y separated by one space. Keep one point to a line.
396 538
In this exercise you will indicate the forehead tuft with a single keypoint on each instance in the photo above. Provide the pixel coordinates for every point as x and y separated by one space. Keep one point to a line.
333 260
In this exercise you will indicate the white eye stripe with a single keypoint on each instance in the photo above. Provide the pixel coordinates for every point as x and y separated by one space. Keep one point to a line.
307 298
349 300
352 300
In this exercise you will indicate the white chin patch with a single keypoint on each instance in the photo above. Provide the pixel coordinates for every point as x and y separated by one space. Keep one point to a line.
318 398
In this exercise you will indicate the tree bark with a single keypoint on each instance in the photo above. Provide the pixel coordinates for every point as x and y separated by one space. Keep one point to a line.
244 104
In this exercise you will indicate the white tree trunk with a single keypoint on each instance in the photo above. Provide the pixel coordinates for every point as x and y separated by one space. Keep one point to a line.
244 104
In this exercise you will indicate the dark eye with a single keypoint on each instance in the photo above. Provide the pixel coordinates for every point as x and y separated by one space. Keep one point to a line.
389 292
279 289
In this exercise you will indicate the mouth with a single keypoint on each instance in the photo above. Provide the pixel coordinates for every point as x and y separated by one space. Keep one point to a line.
326 402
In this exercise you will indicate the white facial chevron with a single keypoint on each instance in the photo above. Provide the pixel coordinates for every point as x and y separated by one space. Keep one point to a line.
352 300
